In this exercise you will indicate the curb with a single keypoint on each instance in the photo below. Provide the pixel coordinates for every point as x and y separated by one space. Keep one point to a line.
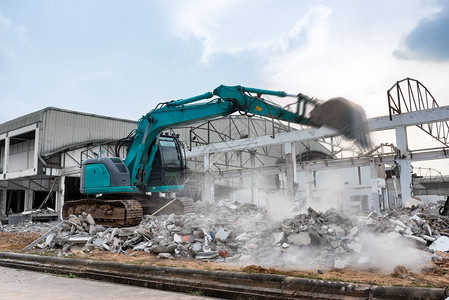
223 284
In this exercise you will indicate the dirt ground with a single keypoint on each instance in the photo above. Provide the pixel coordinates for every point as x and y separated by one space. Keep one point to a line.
433 275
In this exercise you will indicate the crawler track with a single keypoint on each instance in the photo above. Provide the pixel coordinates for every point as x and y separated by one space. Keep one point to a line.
106 212
223 284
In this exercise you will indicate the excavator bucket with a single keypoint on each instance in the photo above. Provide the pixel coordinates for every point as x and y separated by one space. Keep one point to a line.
346 117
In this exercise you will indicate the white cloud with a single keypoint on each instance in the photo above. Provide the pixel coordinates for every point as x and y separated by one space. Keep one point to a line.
199 19
5 22
10 34
234 27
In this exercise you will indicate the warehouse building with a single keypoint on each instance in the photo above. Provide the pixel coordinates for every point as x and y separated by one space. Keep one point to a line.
41 152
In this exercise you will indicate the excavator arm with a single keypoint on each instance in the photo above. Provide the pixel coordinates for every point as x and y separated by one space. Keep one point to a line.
229 99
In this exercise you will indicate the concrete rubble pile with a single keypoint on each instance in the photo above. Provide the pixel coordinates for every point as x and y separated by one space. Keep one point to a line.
244 233
32 215
27 226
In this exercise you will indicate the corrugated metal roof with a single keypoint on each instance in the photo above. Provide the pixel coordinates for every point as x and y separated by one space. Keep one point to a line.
22 121
59 128
37 116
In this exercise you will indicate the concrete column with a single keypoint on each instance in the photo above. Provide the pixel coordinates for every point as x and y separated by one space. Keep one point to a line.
404 162
290 170
60 193
36 149
28 201
253 178
375 206
6 161
208 189
3 198
309 183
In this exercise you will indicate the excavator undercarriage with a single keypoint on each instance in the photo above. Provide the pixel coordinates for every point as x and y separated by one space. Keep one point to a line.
114 212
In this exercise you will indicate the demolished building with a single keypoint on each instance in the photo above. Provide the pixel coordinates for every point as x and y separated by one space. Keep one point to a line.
41 152
235 157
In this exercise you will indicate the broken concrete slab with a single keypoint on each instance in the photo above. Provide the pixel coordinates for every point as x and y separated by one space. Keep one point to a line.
428 238
418 240
410 202
177 238
339 231
336 243
78 239
222 235
49 239
207 255
398 223
278 238
90 220
440 244
353 231
165 255
299 239
340 263
356 247
141 246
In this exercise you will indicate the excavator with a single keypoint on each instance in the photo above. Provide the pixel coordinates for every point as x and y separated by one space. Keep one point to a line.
120 191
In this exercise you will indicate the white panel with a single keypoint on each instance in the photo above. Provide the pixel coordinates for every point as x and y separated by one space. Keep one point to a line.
18 174
25 129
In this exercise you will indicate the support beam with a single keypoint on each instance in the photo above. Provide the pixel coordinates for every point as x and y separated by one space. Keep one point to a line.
334 164
208 190
28 203
60 197
3 199
374 124
375 205
36 150
290 168
310 182
253 178
6 159
405 164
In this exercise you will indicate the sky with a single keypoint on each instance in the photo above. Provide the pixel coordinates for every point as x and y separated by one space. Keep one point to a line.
121 58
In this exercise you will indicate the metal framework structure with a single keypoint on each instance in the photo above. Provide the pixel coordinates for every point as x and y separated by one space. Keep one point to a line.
409 95
415 107
207 133
430 175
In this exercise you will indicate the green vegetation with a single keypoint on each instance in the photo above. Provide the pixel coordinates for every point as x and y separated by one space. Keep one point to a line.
70 275
195 293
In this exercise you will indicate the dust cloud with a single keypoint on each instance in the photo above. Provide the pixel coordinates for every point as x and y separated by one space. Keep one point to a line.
318 232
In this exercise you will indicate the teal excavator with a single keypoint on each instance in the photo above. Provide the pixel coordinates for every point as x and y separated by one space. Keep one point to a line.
155 162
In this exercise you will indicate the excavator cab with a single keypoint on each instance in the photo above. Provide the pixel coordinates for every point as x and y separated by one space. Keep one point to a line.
169 163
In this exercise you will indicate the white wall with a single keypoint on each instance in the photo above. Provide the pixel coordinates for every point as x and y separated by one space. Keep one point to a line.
21 156
338 188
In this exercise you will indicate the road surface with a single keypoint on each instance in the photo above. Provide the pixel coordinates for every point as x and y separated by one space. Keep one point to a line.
22 284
